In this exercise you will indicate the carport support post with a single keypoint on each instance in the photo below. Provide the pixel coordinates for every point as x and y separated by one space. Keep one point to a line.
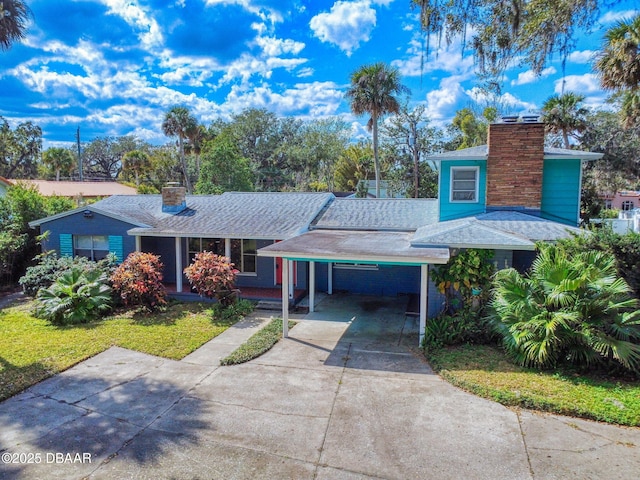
312 286
424 289
285 298
330 278
138 243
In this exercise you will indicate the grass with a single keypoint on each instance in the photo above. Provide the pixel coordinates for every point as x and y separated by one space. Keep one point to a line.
487 372
32 349
259 343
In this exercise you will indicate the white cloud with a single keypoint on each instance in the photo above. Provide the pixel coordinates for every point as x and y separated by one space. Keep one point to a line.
150 34
273 47
582 56
530 76
264 13
317 98
442 102
583 84
613 17
445 58
347 25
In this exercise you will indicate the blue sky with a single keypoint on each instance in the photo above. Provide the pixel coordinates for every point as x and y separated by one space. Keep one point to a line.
114 67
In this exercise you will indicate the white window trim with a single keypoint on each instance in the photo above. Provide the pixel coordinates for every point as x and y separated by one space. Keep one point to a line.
477 190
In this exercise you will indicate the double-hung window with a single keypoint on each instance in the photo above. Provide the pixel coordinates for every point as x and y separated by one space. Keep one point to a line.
197 245
464 184
93 247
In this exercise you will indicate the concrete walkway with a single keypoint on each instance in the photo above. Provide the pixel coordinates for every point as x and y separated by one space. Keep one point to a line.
343 398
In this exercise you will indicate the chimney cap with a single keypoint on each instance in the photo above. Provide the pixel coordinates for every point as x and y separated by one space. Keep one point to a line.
509 118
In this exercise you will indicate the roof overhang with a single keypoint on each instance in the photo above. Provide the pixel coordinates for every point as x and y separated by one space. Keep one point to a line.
91 208
392 248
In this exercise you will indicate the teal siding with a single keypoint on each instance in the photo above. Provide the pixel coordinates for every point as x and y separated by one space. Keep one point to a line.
452 210
66 245
561 191
116 247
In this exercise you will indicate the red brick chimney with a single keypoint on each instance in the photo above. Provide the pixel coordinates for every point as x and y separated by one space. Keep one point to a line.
514 165
174 199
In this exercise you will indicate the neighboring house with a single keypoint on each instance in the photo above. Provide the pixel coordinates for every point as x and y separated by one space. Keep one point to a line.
624 200
80 191
4 184
503 197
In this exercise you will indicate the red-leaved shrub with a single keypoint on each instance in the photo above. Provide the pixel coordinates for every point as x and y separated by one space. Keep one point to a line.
213 276
138 281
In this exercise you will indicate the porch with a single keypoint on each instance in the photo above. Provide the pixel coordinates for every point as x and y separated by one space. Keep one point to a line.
271 295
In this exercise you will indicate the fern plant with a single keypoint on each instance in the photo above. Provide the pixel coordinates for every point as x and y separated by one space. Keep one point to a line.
77 296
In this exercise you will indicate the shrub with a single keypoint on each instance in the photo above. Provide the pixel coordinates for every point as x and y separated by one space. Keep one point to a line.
625 248
465 279
571 308
138 281
466 326
77 296
50 267
213 276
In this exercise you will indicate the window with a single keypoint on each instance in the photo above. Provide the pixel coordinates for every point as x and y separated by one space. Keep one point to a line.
197 245
355 266
93 247
627 205
464 184
244 254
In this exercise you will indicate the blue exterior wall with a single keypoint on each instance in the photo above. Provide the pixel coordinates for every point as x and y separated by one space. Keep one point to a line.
78 224
452 210
387 280
561 191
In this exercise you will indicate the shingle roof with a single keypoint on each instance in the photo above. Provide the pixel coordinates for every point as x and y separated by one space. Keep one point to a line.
239 215
481 152
501 230
391 214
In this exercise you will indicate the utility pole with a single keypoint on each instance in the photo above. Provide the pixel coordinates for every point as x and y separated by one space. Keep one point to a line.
79 156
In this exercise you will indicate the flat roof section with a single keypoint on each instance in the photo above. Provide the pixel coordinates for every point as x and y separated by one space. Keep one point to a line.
393 248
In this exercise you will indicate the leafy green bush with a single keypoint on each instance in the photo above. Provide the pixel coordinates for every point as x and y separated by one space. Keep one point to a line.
466 326
138 281
77 296
50 267
465 279
571 308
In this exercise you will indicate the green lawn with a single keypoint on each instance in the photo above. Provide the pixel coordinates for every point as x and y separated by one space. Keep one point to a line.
32 349
487 372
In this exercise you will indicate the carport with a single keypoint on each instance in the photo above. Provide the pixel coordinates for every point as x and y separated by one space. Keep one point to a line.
362 247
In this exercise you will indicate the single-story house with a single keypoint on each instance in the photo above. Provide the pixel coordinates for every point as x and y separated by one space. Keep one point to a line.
79 191
503 197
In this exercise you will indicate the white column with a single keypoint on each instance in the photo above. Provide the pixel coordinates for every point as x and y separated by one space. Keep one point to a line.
424 288
285 298
178 264
138 243
291 278
312 286
227 247
330 278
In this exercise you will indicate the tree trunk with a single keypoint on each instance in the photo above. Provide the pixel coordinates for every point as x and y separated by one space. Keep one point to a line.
185 172
376 163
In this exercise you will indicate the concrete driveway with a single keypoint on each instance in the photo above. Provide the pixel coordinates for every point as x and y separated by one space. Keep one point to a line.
343 398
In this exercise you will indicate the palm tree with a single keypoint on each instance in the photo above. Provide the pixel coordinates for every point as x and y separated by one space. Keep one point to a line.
178 122
59 160
137 161
196 135
563 114
570 308
372 92
618 63
14 15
